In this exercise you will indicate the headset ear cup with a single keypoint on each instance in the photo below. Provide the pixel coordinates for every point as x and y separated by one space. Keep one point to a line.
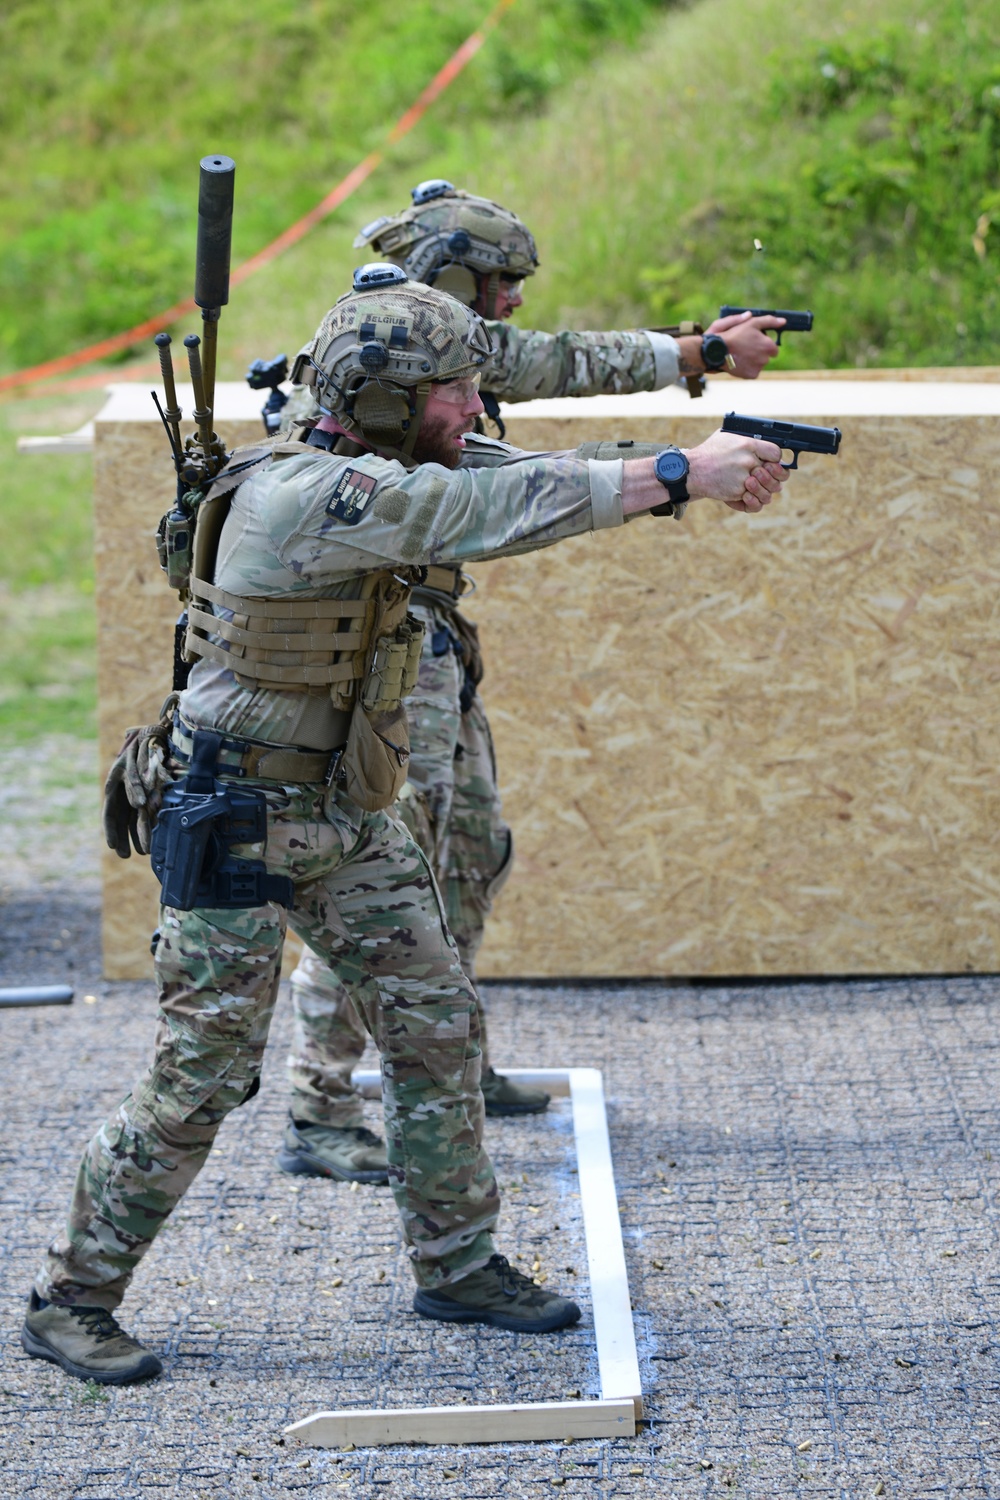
459 282
380 413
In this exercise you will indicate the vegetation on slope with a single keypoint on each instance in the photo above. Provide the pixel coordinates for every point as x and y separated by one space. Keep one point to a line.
864 156
105 110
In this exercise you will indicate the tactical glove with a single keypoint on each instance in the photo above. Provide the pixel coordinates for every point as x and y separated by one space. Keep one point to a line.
135 784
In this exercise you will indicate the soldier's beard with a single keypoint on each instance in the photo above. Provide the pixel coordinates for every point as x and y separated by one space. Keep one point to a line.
435 443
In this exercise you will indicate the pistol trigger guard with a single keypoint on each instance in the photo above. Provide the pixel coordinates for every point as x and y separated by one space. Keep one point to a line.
794 463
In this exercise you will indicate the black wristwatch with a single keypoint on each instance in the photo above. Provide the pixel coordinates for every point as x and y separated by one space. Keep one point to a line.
671 469
714 353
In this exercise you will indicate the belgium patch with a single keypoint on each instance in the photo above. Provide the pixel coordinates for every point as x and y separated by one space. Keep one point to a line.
352 494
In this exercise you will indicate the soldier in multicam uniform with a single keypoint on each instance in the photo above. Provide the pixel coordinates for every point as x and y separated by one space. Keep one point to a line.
480 253
322 541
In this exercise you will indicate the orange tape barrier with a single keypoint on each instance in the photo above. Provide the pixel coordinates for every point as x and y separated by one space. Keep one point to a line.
291 236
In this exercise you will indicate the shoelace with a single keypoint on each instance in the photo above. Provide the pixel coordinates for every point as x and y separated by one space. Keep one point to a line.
511 1279
98 1322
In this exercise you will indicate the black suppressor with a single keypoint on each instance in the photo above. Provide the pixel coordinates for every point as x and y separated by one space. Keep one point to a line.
215 231
795 322
795 437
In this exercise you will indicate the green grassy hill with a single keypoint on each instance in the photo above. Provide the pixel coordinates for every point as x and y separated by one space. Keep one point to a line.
105 111
647 154
647 145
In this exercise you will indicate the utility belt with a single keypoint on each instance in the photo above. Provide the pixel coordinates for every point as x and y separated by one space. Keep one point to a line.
259 761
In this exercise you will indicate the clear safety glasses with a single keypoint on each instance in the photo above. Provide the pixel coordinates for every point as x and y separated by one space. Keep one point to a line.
458 392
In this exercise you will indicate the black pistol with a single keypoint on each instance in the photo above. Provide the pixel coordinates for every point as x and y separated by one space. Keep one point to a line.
795 437
795 322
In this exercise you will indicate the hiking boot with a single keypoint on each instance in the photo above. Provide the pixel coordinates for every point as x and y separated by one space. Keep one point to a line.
353 1154
501 1296
505 1097
87 1342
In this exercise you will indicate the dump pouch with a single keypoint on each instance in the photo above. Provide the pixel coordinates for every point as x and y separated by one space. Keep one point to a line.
376 757
377 753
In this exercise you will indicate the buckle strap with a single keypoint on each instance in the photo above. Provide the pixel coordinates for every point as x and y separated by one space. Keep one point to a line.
450 581
260 761
318 438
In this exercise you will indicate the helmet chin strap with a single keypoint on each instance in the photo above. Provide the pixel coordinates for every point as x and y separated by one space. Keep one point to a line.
421 392
491 294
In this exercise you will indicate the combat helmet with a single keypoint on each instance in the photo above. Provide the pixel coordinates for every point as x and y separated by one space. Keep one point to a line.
380 348
452 240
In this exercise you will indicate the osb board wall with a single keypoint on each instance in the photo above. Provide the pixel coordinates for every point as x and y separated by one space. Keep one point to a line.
758 745
734 745
133 486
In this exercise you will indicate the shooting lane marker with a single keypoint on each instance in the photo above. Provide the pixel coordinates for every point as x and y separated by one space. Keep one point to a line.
620 1404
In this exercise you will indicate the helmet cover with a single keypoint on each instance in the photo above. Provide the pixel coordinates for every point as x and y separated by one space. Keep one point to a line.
449 238
378 350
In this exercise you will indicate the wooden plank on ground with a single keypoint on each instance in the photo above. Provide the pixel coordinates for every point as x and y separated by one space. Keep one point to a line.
620 1406
616 1353
531 1421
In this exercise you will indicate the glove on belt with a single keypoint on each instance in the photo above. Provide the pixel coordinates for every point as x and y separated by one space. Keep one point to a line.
135 785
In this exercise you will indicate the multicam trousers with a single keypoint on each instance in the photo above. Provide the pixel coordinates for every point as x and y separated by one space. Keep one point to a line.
366 900
451 806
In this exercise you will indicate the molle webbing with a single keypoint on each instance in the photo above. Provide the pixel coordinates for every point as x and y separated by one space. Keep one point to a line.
270 642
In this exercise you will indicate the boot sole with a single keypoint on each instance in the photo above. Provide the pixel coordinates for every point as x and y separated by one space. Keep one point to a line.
500 1111
39 1348
301 1164
458 1314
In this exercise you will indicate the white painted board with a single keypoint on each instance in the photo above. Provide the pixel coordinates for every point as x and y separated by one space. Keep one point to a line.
613 1328
621 1389
532 1421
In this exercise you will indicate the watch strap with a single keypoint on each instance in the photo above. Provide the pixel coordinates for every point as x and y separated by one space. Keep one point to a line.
674 506
695 383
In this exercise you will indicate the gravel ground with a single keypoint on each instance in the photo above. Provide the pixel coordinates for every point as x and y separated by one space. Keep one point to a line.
807 1177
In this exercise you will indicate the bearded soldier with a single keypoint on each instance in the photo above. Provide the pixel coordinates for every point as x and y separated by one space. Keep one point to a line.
481 254
303 649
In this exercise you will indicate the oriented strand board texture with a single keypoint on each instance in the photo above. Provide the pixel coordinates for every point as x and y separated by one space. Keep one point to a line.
758 745
731 746
133 486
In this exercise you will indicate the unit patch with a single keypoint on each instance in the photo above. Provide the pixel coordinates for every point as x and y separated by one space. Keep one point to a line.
353 492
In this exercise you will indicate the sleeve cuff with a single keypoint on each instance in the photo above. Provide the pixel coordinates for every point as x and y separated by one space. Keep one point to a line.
666 358
606 492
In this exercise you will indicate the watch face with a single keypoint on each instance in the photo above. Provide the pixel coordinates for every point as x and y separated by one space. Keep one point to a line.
671 466
713 351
